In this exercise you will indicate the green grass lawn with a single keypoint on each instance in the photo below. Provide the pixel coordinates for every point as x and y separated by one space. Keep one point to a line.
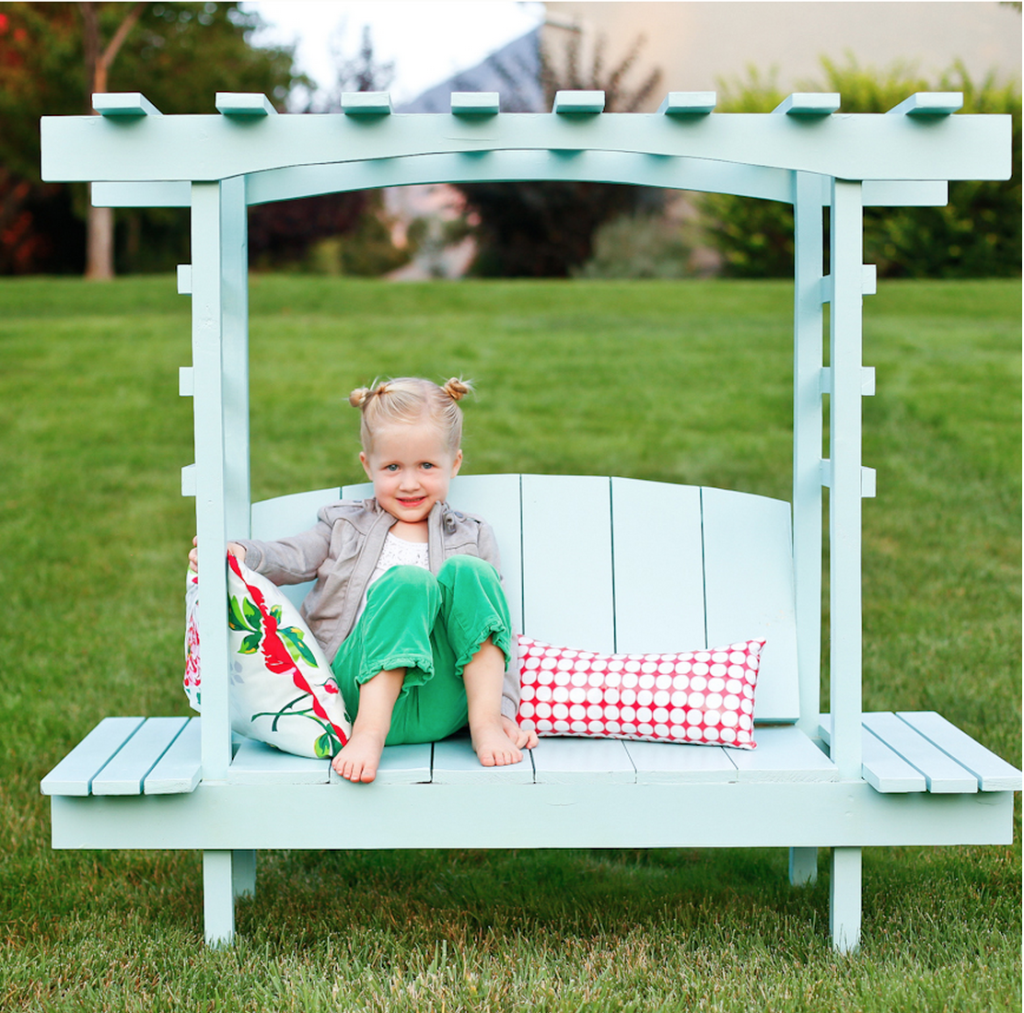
686 382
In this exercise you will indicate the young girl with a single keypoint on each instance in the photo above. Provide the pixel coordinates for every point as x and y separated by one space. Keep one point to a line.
408 602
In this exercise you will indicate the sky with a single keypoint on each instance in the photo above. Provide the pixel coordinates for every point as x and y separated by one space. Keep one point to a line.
428 42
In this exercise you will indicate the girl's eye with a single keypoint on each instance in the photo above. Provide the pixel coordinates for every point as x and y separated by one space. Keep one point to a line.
427 464
391 467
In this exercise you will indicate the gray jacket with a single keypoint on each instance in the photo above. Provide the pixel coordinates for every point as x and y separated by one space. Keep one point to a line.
341 553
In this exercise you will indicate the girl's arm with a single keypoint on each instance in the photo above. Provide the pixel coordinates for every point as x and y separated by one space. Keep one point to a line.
289 560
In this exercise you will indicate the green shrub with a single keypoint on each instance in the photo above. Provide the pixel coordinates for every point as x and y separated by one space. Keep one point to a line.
640 246
977 234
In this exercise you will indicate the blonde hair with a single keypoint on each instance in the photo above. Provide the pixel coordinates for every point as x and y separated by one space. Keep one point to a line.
411 399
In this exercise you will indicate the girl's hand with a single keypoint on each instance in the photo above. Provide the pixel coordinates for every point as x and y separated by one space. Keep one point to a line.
522 738
236 550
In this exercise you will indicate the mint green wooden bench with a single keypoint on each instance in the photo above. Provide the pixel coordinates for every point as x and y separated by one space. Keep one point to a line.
841 781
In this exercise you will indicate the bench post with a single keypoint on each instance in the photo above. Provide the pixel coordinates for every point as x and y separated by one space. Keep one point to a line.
220 407
844 906
845 492
808 321
218 898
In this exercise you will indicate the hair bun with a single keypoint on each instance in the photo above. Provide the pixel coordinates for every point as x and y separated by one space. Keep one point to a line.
456 388
359 396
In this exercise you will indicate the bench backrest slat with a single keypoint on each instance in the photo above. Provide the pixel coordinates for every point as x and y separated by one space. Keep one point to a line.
659 566
624 565
568 589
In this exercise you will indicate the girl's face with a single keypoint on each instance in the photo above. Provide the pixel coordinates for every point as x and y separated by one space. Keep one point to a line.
410 466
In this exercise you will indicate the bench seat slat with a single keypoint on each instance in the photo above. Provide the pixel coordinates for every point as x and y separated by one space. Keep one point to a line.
572 761
942 773
178 771
993 772
675 763
456 763
74 774
887 771
128 768
256 763
407 764
783 754
883 768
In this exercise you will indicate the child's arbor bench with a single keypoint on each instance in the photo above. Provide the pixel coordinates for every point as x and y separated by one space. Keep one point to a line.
644 567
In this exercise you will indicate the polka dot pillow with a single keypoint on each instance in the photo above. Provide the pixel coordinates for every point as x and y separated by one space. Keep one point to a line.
282 688
703 697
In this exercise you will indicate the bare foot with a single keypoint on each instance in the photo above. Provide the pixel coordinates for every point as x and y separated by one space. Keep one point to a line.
493 747
359 757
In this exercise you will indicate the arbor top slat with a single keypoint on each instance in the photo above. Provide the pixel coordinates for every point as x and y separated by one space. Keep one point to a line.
205 148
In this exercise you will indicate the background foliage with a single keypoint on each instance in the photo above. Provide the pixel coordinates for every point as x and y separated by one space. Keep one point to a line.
977 234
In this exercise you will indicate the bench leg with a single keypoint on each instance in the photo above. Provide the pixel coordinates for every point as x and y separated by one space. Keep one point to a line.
243 873
218 898
845 899
803 866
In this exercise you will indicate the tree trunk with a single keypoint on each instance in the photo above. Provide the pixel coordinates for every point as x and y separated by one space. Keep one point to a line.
99 253
99 250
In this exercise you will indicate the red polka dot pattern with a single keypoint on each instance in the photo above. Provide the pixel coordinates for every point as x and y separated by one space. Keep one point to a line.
703 697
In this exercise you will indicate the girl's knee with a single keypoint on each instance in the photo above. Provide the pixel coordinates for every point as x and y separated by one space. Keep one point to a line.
458 566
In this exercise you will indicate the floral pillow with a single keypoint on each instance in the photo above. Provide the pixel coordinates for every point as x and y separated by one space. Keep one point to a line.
282 689
703 697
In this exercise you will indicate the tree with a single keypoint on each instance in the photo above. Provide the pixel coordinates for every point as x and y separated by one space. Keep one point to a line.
546 229
177 54
99 258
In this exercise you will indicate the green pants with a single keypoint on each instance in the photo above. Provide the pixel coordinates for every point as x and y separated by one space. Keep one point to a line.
430 626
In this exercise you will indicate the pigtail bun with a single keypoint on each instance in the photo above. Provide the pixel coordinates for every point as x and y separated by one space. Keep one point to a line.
359 397
456 388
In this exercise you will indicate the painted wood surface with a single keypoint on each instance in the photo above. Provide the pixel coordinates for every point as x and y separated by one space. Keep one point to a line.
808 422
844 908
568 588
455 763
993 772
748 566
256 763
942 773
703 175
659 567
129 767
783 754
883 768
583 761
656 763
207 148
584 815
845 350
74 774
179 769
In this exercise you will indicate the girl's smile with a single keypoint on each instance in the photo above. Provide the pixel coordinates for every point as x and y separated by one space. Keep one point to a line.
410 466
